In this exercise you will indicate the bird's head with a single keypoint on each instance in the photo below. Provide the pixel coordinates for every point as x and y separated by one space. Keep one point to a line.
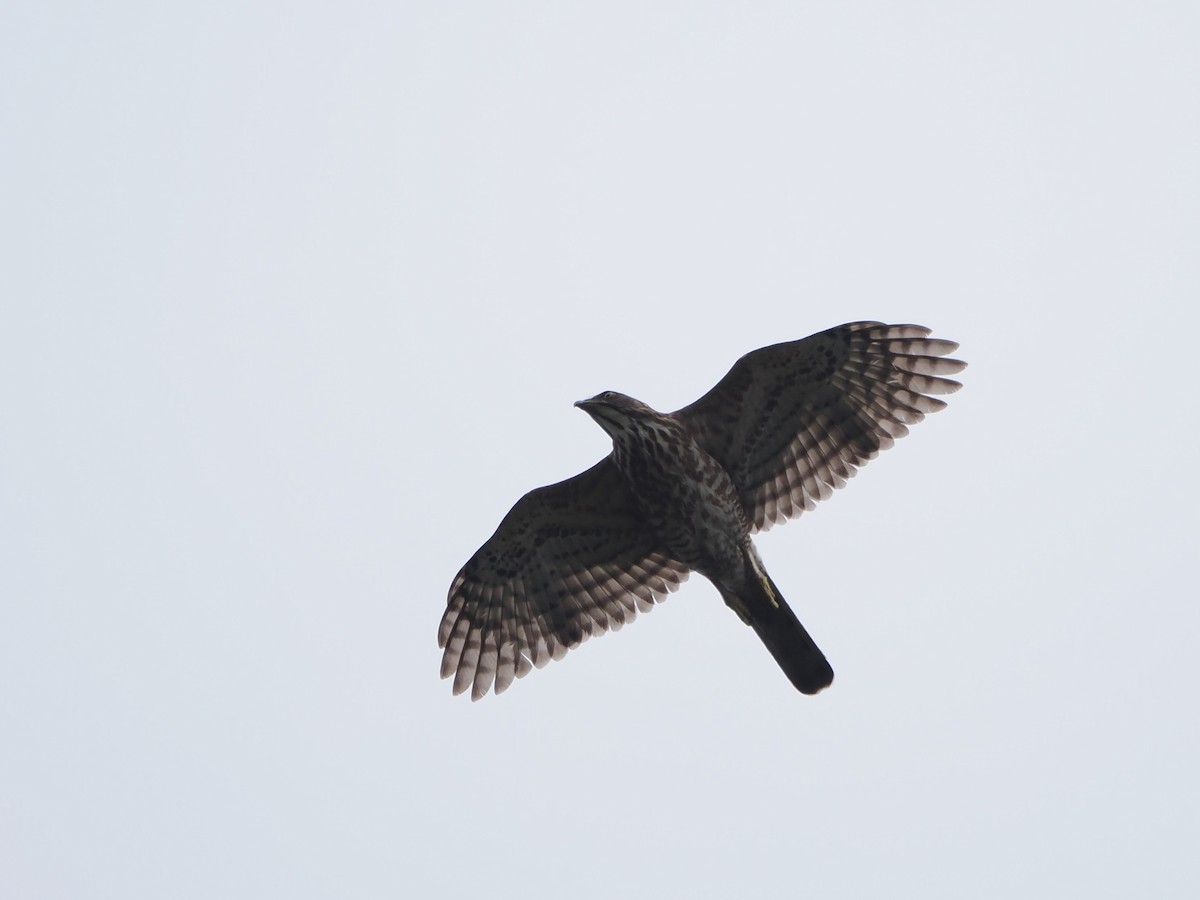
615 412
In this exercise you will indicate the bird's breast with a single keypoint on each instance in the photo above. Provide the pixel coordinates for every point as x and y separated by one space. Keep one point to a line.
689 500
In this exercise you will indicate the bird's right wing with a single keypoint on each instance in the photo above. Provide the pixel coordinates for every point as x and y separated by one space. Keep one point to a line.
792 421
569 560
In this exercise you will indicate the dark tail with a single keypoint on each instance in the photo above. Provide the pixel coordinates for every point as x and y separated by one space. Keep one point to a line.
777 627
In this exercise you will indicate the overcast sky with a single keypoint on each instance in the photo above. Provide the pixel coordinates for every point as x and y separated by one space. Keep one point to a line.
295 302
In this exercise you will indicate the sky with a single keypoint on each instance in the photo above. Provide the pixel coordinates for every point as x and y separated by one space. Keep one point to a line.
294 303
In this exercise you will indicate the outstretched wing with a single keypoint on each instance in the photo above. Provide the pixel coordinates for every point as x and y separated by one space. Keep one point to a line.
793 421
569 561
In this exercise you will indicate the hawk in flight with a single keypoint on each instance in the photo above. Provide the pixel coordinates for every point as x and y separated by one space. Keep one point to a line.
683 492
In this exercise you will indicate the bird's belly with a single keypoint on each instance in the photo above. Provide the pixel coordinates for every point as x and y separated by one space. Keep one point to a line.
695 509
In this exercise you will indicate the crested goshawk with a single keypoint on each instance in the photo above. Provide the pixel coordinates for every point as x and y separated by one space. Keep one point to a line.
684 491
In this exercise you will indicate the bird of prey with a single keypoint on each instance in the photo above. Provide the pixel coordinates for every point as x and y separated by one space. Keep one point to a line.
684 491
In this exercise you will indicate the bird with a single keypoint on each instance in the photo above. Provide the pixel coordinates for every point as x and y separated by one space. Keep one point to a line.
684 492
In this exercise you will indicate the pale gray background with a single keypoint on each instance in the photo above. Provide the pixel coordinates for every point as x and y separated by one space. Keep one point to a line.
296 299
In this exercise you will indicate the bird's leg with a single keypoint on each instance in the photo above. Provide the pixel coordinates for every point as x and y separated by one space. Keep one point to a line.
760 572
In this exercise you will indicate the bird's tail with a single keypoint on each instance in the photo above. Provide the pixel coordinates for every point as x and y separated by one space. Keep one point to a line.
763 608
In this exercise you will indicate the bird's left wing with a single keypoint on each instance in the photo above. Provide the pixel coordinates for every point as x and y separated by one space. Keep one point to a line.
569 560
793 421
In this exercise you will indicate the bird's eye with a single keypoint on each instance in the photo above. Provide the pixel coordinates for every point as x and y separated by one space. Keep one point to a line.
608 395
